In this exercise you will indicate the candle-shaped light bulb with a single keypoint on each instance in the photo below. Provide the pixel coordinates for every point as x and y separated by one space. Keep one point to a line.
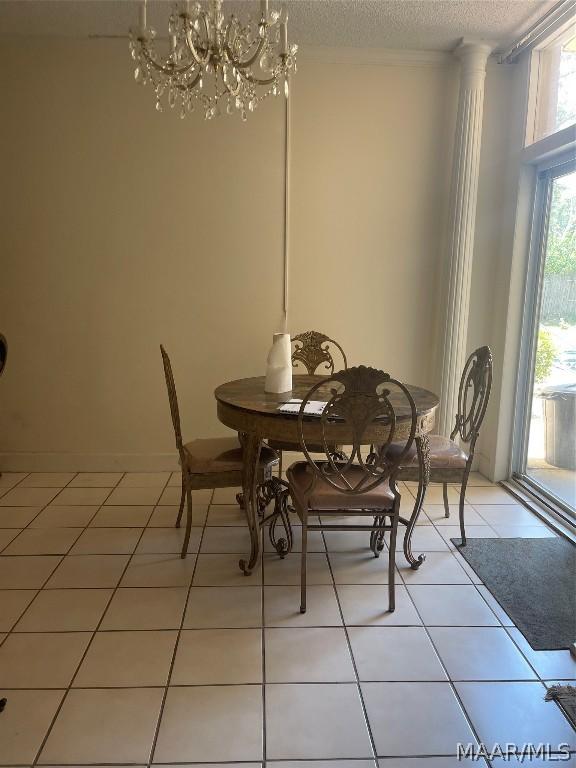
264 9
173 41
143 16
284 37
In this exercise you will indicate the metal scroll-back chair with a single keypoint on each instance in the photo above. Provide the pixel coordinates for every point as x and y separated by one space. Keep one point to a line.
314 351
369 407
209 463
449 462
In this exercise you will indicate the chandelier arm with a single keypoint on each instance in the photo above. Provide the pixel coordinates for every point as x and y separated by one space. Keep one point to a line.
257 80
191 85
169 71
248 63
201 58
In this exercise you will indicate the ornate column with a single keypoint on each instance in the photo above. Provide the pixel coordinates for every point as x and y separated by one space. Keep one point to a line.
473 57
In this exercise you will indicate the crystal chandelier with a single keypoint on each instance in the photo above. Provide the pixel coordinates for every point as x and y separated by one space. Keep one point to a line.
213 61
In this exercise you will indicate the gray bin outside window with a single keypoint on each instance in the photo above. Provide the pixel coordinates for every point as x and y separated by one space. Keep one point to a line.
559 405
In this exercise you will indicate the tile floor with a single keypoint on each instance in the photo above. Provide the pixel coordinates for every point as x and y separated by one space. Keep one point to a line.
115 651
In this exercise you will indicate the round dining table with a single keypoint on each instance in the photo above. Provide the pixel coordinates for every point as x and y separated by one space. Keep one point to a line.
244 406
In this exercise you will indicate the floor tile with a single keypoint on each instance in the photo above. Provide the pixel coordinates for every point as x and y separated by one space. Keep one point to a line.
489 495
10 479
324 764
146 608
282 607
168 540
124 659
359 567
476 478
122 517
367 604
171 496
424 539
175 479
315 539
327 719
308 655
226 496
88 571
429 762
7 535
107 541
415 719
41 660
226 514
281 572
226 539
224 607
165 516
144 480
449 532
495 605
223 571
454 605
508 514
13 602
211 724
65 610
25 722
82 496
395 654
438 568
524 531
47 480
38 541
474 577
549 665
17 517
134 496
434 494
159 571
514 713
436 513
104 726
96 480
218 656
479 653
348 541
56 516
24 572
28 497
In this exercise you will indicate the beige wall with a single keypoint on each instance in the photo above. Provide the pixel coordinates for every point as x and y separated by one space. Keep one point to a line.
121 229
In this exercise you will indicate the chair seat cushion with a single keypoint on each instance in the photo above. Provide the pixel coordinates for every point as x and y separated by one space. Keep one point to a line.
444 454
325 496
221 454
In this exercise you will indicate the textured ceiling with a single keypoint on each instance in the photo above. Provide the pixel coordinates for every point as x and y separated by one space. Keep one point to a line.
414 24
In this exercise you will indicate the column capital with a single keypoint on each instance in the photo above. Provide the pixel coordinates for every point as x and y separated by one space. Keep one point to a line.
473 55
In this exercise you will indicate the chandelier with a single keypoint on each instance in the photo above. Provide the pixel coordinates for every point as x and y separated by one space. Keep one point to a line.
214 62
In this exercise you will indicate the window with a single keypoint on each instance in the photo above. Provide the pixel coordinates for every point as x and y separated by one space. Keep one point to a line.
554 69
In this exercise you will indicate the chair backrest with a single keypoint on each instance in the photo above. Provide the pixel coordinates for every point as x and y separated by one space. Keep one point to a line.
373 408
473 395
312 349
172 398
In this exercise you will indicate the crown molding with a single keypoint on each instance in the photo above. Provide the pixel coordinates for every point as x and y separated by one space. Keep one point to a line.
391 57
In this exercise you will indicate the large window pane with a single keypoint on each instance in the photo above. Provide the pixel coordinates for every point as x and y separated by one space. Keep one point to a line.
551 457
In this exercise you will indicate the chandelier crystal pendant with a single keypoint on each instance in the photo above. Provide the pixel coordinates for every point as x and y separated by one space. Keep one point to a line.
213 61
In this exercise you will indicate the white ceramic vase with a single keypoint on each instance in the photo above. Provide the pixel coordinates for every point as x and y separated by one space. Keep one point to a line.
279 365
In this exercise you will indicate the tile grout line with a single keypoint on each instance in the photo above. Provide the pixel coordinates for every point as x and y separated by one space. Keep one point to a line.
349 644
446 672
88 646
152 751
62 557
